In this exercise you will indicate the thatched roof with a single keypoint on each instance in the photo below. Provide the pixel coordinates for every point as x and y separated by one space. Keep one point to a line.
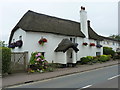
36 22
65 44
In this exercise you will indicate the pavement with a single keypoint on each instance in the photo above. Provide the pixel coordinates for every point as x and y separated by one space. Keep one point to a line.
22 78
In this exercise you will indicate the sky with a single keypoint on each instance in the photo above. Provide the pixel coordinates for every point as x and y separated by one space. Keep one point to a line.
103 14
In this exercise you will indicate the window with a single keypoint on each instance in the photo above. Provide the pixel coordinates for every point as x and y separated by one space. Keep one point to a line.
98 53
20 37
113 43
98 42
43 54
72 40
13 40
107 42
71 55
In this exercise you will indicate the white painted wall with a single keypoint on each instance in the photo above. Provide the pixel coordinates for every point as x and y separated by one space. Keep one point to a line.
87 50
16 35
110 44
30 44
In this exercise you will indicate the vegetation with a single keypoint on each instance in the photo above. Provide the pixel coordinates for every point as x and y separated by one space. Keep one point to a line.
6 59
108 51
117 37
2 44
92 59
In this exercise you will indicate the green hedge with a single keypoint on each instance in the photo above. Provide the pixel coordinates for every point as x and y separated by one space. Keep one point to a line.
91 59
6 59
108 51
104 58
86 60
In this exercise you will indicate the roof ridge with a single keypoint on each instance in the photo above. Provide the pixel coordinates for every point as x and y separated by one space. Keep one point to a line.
51 16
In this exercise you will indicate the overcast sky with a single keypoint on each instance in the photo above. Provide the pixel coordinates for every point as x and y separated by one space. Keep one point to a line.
102 14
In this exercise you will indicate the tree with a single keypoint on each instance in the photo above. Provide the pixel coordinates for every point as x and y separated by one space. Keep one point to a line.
117 37
2 44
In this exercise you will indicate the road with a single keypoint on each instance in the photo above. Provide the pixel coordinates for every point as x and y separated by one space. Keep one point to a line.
91 79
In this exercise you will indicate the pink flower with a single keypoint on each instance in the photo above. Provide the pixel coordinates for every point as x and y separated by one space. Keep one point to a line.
42 60
39 54
38 59
36 55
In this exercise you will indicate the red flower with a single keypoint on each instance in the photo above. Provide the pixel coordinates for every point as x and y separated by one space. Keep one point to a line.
85 44
42 41
92 44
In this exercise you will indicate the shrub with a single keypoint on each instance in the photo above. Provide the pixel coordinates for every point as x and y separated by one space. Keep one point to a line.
116 56
104 58
108 51
95 59
86 60
37 63
6 59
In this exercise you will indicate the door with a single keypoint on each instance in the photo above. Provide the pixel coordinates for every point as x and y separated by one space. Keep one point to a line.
70 55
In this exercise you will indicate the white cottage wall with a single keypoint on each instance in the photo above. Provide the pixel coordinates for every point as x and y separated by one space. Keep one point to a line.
19 32
87 50
32 45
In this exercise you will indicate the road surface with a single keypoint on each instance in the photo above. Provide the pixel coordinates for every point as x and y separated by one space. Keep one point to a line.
106 77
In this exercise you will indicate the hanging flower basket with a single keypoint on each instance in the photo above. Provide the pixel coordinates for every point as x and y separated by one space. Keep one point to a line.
12 45
42 41
92 44
98 46
85 44
19 43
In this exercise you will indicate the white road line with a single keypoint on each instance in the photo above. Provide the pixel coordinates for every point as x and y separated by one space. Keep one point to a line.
86 86
113 77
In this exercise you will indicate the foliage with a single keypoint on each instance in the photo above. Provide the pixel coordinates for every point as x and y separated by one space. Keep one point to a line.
37 63
95 59
2 44
86 60
108 51
117 55
117 37
104 58
6 59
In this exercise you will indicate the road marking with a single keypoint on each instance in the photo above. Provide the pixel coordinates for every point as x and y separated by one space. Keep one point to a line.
113 77
86 86
24 84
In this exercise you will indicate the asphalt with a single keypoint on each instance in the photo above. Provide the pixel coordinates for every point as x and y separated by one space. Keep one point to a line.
78 80
21 78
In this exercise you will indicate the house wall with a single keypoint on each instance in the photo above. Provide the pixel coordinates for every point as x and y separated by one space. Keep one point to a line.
30 44
87 50
19 32
109 43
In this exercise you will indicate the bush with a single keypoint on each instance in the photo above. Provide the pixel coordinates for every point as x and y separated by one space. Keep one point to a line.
6 59
86 60
37 63
108 51
116 56
104 58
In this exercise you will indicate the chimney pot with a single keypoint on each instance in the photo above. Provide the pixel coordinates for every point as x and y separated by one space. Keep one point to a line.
88 22
82 8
